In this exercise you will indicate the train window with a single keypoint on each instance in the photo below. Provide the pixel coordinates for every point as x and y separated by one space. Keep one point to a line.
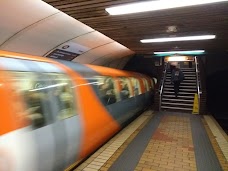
152 84
45 95
155 81
62 94
107 90
149 84
35 100
136 86
146 84
125 90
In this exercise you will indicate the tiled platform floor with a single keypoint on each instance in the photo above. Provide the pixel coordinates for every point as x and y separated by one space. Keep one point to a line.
170 147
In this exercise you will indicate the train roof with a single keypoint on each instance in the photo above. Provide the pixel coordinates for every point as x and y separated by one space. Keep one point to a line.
77 66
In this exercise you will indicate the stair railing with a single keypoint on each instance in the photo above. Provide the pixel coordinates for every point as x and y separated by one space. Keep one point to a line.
162 85
197 80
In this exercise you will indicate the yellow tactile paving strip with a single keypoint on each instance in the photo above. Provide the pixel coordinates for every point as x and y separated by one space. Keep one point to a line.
103 158
171 146
218 140
222 142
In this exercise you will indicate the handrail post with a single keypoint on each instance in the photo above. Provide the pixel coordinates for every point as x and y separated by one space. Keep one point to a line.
197 82
162 84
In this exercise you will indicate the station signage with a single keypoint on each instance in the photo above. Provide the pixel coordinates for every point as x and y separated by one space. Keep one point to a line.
68 51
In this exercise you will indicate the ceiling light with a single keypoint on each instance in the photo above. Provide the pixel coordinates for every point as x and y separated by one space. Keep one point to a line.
180 52
174 39
156 5
177 58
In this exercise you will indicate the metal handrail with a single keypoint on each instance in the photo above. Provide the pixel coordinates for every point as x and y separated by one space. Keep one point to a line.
197 81
162 85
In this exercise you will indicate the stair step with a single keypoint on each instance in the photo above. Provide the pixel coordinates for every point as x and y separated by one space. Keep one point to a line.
187 69
192 76
181 89
189 84
177 104
189 73
177 108
185 78
186 73
171 92
179 97
181 86
182 100
192 80
183 83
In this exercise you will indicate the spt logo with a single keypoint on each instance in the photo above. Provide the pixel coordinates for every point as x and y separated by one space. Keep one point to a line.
65 47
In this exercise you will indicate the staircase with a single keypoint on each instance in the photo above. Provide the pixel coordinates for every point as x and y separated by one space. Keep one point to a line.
188 88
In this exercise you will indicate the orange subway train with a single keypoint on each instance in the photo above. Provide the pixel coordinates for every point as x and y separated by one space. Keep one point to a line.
55 113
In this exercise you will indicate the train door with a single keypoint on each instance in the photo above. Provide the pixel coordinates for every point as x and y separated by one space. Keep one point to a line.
147 92
127 101
56 135
65 116
136 92
40 108
140 98
65 123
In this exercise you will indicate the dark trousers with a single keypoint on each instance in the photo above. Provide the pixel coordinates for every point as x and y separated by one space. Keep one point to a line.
176 87
171 68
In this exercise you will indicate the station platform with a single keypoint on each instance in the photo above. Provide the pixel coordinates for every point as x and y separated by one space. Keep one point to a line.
168 141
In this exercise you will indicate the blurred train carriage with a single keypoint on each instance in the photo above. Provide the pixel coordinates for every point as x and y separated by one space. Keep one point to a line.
55 113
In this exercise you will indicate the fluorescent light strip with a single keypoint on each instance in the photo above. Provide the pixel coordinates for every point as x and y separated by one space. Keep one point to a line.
180 52
177 58
156 5
174 39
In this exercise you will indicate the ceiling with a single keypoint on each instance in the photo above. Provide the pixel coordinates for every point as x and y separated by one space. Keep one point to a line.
130 29
37 28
